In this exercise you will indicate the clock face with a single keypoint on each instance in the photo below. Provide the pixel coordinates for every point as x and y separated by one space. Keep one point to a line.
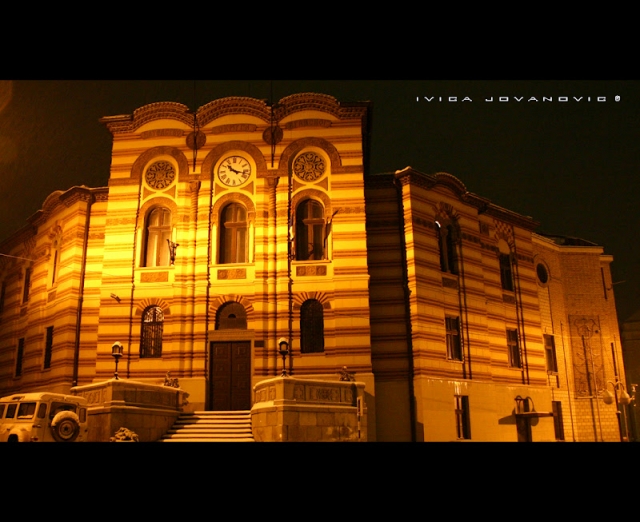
234 171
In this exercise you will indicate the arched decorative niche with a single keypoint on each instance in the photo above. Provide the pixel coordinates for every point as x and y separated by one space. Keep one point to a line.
231 316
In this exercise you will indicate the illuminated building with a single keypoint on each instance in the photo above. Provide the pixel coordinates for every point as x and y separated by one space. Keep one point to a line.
222 232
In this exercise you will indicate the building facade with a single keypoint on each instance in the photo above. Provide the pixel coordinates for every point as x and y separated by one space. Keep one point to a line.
223 232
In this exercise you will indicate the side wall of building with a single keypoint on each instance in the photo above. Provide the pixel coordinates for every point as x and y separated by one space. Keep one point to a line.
579 324
50 294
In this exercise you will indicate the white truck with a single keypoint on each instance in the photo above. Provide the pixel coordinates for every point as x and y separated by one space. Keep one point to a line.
43 417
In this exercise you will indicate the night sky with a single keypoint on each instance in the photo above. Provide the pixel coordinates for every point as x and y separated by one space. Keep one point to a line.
572 165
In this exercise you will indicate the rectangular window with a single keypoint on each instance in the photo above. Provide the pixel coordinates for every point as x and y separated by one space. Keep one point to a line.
48 347
513 348
454 344
463 424
506 277
27 285
19 356
550 353
558 424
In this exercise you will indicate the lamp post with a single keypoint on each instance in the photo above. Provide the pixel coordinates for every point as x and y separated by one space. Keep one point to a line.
625 399
116 352
283 348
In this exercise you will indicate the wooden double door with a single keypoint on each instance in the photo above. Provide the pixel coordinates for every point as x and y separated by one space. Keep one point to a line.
230 376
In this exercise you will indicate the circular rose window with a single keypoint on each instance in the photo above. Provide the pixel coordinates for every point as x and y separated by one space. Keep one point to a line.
543 275
160 175
309 166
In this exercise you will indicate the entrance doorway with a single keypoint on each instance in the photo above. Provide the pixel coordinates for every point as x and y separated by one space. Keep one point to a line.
230 376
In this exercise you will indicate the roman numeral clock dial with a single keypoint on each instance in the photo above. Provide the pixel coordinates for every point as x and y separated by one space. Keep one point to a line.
234 171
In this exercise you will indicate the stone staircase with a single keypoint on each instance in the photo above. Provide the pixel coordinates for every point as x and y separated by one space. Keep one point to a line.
211 426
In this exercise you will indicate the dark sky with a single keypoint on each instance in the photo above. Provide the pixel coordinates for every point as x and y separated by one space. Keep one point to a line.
573 166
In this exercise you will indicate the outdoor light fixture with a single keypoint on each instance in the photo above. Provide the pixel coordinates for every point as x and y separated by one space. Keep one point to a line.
116 351
283 348
624 398
172 250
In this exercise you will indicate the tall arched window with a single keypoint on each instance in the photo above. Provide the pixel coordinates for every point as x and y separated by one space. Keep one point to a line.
310 231
158 231
233 234
506 273
151 332
27 285
55 262
447 246
311 327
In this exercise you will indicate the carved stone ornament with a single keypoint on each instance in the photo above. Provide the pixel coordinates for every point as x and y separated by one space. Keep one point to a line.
309 166
160 175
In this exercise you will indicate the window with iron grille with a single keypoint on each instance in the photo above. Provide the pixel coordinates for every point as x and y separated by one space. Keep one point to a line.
550 353
311 327
233 234
151 334
513 348
310 231
48 347
463 423
506 275
454 344
19 357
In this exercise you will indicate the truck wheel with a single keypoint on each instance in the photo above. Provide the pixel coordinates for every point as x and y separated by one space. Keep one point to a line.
65 426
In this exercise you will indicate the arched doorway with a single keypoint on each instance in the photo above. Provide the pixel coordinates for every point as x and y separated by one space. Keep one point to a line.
230 363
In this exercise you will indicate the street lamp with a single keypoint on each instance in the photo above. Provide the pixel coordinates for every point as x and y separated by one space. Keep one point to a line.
625 399
283 348
116 352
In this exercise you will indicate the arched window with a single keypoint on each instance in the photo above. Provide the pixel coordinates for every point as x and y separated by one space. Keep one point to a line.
447 247
233 234
310 231
151 332
311 327
158 231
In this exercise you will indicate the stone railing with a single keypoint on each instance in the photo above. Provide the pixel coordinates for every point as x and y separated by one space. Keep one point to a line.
149 410
288 409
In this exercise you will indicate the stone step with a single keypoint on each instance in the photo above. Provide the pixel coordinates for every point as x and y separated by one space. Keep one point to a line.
211 426
194 439
214 430
194 418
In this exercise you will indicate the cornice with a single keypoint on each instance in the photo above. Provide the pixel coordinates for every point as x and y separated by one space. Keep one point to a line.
236 105
410 176
147 113
49 206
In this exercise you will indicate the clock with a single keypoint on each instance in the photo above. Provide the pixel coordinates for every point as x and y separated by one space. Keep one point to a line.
234 171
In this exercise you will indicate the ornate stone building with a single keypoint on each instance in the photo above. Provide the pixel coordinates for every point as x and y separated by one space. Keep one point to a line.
224 231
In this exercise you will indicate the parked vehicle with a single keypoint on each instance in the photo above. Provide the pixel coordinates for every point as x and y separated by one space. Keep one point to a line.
43 417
